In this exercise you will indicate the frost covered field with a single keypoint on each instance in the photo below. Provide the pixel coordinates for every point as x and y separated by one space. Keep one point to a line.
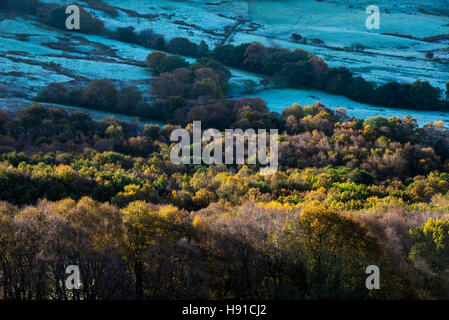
33 55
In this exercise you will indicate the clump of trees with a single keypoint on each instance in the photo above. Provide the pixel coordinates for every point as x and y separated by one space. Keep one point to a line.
302 69
148 38
26 6
348 193
430 252
142 252
156 252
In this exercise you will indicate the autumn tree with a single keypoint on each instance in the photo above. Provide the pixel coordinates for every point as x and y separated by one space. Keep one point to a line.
101 94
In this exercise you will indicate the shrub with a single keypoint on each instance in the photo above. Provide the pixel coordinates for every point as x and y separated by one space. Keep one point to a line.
249 86
387 94
166 85
254 57
337 80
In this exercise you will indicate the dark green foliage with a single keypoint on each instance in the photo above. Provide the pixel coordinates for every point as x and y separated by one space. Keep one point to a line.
101 94
126 34
360 90
54 92
296 75
129 100
148 38
171 63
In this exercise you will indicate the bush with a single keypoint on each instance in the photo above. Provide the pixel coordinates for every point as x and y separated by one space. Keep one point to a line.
386 95
166 85
75 97
296 75
129 99
431 243
183 47
358 47
154 59
294 110
249 86
336 80
300 68
203 49
418 94
421 94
